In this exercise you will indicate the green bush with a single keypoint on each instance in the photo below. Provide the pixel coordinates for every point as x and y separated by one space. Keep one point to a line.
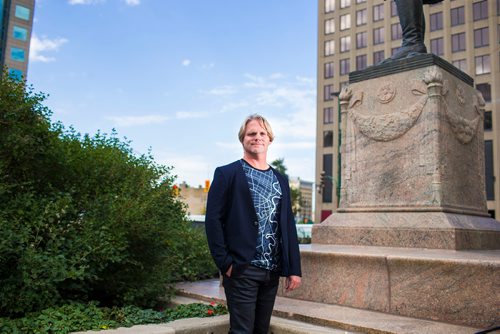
81 317
82 218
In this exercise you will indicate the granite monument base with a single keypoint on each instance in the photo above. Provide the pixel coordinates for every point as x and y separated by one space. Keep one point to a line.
457 287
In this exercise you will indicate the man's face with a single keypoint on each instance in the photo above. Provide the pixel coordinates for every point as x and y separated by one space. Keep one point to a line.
256 140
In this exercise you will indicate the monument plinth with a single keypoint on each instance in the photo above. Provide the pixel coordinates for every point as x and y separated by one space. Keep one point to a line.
412 235
412 171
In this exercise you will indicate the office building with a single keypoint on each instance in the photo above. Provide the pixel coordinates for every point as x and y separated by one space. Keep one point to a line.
355 34
16 22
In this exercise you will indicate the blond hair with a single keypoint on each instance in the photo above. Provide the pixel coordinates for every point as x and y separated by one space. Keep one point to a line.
263 122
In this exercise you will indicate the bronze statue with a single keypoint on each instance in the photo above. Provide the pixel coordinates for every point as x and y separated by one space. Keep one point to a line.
412 21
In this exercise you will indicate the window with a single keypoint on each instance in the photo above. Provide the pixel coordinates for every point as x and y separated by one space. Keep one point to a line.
458 42
361 40
328 115
329 6
378 12
327 138
461 64
327 192
345 43
481 37
360 1
437 46
361 62
22 13
436 21
345 22
488 123
394 9
480 10
329 48
344 66
16 74
488 173
345 3
328 90
378 56
498 7
329 70
396 32
457 16
17 54
378 35
329 26
483 64
361 17
19 33
485 89
393 50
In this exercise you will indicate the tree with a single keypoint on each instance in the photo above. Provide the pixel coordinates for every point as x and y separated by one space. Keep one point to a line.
279 165
83 218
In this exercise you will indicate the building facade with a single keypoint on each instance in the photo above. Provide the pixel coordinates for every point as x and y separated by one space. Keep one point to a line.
16 22
355 34
304 205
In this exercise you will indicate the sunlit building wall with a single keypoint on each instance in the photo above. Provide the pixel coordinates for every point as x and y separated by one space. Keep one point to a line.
355 34
16 22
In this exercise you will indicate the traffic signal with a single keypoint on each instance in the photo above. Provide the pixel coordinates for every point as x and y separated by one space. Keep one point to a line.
321 183
175 190
207 185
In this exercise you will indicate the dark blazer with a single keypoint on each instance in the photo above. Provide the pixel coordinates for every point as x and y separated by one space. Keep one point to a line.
231 222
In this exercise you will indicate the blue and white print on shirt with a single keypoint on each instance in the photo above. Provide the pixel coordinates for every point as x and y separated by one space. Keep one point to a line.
266 195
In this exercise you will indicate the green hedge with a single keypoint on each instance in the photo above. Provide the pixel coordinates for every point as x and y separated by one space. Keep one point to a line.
82 218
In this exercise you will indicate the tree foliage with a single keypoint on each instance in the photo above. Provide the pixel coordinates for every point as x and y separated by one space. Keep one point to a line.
83 218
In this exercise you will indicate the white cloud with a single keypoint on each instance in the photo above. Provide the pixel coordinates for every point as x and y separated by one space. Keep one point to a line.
126 121
234 106
186 62
42 45
221 91
84 2
192 168
133 2
207 66
189 114
257 82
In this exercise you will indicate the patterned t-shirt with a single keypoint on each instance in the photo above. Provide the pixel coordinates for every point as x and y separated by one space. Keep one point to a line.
266 194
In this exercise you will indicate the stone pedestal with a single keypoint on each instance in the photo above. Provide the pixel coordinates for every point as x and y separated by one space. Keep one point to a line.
412 235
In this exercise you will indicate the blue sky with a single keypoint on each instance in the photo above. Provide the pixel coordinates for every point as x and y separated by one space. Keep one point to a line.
179 76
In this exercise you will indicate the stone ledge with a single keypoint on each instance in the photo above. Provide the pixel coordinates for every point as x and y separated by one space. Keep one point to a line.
439 230
459 287
333 316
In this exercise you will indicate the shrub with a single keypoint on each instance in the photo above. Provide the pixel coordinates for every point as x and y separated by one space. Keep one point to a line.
81 317
83 218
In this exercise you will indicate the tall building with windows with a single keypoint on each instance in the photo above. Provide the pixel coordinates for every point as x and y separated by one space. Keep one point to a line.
355 34
16 22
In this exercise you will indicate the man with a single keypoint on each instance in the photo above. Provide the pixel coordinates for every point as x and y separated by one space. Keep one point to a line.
412 21
251 231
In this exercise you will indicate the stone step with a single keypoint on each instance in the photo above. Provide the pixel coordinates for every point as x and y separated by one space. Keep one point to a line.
459 287
278 325
334 318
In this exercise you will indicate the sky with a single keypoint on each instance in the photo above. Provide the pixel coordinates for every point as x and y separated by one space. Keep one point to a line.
178 77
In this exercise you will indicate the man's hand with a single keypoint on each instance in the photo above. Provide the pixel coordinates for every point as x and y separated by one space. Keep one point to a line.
292 282
229 271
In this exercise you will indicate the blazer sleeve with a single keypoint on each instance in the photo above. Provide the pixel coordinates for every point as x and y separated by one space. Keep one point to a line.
217 204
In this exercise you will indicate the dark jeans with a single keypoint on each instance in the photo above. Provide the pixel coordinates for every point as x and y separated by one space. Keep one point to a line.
250 299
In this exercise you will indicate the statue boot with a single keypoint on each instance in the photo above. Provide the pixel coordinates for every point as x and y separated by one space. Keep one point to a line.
412 21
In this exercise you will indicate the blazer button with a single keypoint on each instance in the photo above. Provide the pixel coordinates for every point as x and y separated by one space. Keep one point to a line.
256 223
